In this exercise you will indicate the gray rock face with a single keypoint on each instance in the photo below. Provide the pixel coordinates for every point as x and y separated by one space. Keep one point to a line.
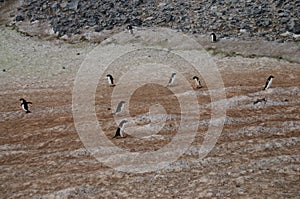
266 20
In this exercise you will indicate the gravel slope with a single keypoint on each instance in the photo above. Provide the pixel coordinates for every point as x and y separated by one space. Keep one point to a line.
42 156
251 19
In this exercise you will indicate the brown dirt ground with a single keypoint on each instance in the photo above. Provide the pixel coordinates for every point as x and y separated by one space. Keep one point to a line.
42 156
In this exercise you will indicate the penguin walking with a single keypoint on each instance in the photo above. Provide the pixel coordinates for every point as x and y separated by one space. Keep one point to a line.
110 80
213 37
197 82
119 132
172 79
120 107
24 105
130 29
269 82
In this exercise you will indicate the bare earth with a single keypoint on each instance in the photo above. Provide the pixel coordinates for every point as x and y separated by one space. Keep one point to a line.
42 156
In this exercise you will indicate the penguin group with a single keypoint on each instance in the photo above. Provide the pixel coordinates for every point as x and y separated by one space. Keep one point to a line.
121 105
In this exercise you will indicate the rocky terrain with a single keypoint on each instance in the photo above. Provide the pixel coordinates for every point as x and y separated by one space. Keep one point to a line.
43 155
273 21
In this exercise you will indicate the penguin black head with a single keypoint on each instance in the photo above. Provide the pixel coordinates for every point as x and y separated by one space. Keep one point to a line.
22 100
195 77
129 27
268 83
110 79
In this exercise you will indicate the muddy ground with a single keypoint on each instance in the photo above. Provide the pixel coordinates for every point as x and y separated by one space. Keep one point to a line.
42 156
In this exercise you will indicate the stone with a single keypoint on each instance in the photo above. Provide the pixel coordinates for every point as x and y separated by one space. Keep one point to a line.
230 17
19 18
296 28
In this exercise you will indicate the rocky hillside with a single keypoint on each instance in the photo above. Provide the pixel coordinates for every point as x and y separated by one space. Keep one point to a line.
43 156
274 21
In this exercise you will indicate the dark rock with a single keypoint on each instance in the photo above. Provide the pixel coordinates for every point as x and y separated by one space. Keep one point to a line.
19 18
109 27
224 16
54 6
137 22
282 13
266 22
72 5
284 20
99 29
296 28
91 22
291 25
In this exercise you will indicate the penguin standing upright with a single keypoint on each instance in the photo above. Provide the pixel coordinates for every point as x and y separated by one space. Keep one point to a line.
130 29
197 82
172 79
269 82
120 107
119 132
24 105
213 37
110 80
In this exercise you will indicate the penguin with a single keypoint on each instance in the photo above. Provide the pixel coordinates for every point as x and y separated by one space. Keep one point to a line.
259 101
120 107
130 29
213 37
172 79
24 105
120 129
197 82
110 80
269 82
